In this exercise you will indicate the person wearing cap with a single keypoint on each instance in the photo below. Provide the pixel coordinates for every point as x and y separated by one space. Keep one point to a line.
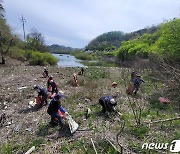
108 103
53 108
42 95
137 82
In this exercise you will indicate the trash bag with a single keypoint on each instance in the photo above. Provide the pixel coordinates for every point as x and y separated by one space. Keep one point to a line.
73 126
129 89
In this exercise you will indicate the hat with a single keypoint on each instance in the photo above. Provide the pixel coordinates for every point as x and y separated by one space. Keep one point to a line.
35 86
114 84
60 95
113 101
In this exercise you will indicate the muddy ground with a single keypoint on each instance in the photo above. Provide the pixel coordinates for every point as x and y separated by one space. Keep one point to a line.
22 127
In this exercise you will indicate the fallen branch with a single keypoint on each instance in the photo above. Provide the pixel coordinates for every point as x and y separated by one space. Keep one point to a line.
30 150
113 146
94 146
177 118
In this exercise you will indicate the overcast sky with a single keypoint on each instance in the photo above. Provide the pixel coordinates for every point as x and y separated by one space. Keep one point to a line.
75 23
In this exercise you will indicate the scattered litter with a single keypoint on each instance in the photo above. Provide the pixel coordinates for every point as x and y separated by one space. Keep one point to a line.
20 88
31 104
30 150
72 124
87 100
28 129
16 128
88 112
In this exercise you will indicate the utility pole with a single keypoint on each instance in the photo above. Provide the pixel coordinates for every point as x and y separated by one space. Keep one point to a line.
23 21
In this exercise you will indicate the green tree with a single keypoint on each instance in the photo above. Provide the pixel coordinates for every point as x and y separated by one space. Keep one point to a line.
169 41
35 41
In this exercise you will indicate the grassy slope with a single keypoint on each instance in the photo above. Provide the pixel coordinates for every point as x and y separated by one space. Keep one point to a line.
33 127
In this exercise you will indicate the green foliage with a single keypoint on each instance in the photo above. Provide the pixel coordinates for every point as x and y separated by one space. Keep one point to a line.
59 49
37 142
35 41
35 58
6 149
83 56
139 131
164 42
111 40
168 42
95 73
42 129
38 58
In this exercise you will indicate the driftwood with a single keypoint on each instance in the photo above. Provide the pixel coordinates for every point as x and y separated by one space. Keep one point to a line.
94 146
171 119
30 150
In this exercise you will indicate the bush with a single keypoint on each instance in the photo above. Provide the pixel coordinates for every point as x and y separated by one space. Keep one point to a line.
83 56
37 58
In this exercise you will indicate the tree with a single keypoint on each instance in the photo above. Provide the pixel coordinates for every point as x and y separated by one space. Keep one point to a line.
1 9
4 47
35 41
168 42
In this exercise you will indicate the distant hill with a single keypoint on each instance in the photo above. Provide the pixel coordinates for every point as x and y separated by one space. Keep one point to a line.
112 40
55 48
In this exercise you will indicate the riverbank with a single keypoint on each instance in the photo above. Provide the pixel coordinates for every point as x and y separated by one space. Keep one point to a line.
23 128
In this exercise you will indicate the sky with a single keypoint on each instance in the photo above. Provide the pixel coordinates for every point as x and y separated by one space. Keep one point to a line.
74 23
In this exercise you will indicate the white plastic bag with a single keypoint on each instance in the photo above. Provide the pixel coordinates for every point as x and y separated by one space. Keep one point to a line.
72 124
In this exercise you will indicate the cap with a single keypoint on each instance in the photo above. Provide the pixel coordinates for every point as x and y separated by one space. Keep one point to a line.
35 86
113 101
114 84
60 95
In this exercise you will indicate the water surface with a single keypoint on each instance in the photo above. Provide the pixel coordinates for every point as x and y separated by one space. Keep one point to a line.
66 60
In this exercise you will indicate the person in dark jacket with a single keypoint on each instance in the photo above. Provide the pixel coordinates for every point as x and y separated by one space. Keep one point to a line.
108 103
42 95
133 75
137 82
53 85
45 72
53 108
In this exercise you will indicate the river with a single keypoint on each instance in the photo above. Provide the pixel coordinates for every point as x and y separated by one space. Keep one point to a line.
66 60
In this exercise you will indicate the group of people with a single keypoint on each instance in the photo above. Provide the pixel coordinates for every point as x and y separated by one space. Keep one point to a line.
55 110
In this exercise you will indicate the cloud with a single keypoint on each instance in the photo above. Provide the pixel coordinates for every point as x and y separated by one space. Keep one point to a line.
75 23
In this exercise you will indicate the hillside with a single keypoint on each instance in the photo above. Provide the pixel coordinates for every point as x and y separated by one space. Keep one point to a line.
23 127
55 48
112 40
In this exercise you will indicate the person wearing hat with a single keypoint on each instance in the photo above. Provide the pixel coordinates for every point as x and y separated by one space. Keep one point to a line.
42 95
108 103
54 107
137 82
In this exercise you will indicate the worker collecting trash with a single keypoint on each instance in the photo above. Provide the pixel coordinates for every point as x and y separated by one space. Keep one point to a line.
108 104
57 113
42 95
